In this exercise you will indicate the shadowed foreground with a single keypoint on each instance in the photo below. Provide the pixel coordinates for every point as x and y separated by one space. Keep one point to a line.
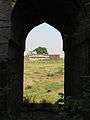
39 112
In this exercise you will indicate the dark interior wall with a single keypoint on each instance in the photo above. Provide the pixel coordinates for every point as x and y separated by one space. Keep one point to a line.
66 16
70 17
76 66
50 12
5 34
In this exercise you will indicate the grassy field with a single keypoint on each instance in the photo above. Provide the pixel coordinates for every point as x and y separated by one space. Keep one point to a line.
43 80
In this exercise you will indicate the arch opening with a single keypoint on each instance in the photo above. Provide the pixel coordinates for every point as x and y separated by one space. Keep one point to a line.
43 72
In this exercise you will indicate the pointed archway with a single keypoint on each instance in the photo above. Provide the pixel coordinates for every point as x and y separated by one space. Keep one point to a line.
51 76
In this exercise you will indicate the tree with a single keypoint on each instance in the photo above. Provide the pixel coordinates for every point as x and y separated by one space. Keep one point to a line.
41 50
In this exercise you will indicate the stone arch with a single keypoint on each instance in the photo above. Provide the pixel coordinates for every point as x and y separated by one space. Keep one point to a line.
72 18
27 15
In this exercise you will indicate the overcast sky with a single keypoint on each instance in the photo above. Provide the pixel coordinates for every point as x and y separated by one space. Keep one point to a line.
47 36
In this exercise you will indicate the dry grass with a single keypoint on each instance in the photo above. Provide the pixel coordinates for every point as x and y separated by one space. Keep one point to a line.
43 80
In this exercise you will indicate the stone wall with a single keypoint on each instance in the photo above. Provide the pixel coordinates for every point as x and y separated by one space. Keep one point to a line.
75 23
72 19
5 35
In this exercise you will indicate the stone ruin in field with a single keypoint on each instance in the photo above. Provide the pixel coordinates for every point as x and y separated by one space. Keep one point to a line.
71 18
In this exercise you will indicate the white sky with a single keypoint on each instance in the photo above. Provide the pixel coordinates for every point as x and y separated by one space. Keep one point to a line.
47 36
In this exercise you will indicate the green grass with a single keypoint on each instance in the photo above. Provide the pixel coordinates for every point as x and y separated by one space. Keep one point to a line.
55 86
43 80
